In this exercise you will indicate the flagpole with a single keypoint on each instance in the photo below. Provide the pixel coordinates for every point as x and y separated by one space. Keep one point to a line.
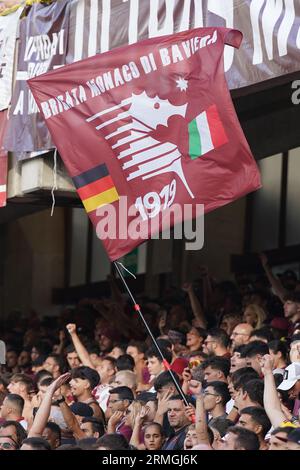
138 309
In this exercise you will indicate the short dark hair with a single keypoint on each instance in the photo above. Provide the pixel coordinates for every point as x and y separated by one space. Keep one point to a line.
264 333
87 443
221 389
164 343
70 349
20 431
221 424
113 442
59 361
245 439
55 429
164 379
41 374
17 400
124 393
220 336
243 377
110 359
255 390
25 379
293 296
152 352
125 362
188 398
259 416
37 443
287 430
139 345
254 348
217 363
97 425
46 382
279 346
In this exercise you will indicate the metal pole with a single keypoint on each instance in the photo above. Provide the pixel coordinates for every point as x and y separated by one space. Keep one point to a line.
165 362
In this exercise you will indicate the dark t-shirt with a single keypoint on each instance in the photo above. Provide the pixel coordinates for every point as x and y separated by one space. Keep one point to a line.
176 441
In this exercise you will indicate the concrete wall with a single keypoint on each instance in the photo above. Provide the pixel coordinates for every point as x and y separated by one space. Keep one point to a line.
33 262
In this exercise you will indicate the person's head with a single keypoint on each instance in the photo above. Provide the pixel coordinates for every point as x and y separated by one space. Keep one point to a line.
14 430
293 442
239 438
11 358
52 434
21 384
41 375
84 380
35 443
219 427
125 378
255 419
154 361
254 315
240 376
153 436
264 334
292 306
107 369
137 350
216 369
216 395
291 380
230 321
92 427
39 349
216 342
12 406
191 438
279 438
164 383
241 334
295 348
125 362
81 410
195 338
112 442
54 364
24 359
253 353
176 413
72 357
278 351
131 413
43 386
236 361
196 358
117 351
8 443
119 399
250 393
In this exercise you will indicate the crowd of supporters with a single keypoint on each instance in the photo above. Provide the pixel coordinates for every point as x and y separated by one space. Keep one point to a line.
92 379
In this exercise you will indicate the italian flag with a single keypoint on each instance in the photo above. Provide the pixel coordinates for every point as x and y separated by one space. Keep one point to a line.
206 132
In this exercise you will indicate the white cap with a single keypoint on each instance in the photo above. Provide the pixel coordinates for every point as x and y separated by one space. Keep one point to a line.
290 377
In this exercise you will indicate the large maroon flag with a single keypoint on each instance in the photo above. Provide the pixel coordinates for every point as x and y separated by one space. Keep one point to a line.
152 122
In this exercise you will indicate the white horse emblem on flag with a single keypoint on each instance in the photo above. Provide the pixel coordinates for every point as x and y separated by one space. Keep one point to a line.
141 155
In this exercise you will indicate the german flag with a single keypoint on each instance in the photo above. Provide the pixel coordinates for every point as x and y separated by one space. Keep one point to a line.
96 188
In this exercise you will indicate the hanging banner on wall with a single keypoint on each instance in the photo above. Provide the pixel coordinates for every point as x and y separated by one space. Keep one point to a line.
271 30
43 45
150 126
8 37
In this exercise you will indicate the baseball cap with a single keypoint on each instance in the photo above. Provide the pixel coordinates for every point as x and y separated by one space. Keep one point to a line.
81 409
290 377
87 373
280 323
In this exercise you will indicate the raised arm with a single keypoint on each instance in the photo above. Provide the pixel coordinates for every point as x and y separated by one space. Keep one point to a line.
71 421
272 403
43 412
80 349
195 304
278 288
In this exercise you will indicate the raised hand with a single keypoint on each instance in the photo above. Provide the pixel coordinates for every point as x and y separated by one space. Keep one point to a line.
187 287
59 382
71 327
266 364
